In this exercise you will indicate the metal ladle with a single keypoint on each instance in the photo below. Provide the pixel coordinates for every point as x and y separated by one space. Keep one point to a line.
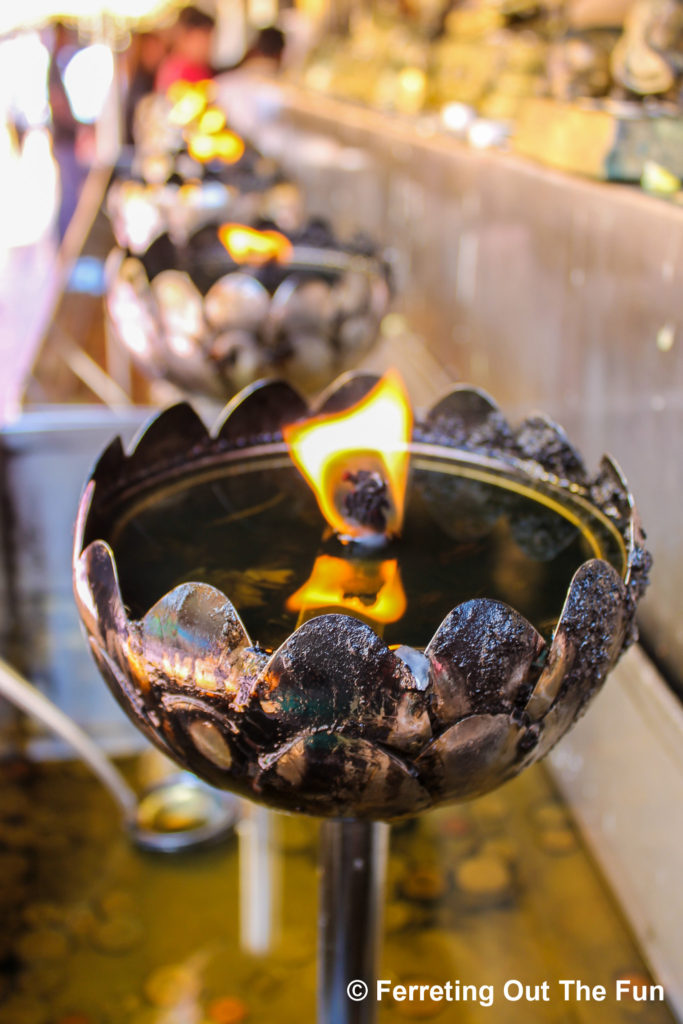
179 813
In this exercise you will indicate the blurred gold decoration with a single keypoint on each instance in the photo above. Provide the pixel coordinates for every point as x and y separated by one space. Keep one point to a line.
643 60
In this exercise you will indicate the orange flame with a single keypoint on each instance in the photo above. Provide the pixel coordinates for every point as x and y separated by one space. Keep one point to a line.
369 589
373 437
225 146
247 245
189 100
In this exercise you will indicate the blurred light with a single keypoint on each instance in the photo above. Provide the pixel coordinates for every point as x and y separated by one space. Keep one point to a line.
659 179
225 146
180 344
457 117
262 13
28 198
412 80
37 12
485 134
134 336
24 63
212 120
189 100
87 79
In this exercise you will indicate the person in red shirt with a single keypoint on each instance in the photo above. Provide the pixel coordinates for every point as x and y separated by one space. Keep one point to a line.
190 57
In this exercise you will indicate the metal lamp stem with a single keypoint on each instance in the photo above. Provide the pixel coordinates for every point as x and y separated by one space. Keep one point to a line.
353 862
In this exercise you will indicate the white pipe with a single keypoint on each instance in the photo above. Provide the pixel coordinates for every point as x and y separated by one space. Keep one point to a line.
258 879
34 703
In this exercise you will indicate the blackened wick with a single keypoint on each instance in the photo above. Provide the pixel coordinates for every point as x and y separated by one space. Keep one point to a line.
367 503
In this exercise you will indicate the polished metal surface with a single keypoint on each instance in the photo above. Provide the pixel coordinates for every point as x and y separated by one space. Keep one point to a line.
547 290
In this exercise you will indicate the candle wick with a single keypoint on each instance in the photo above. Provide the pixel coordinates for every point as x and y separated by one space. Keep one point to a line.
367 503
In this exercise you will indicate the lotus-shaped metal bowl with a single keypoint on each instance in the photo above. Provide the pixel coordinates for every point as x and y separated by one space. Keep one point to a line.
334 722
190 315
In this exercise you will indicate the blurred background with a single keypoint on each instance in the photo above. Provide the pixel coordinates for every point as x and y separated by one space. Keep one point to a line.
475 190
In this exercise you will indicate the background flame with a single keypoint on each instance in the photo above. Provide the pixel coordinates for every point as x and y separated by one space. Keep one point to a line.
373 435
247 245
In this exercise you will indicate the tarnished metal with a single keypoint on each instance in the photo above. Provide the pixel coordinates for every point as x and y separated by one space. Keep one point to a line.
334 722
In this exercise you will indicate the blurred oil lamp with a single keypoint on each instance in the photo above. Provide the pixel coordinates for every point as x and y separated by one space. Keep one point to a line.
140 212
237 302
189 168
363 714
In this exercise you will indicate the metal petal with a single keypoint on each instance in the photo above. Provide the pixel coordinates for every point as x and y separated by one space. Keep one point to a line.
470 407
541 440
98 595
610 492
480 656
206 740
238 356
100 605
128 695
337 776
470 758
587 642
169 436
351 293
109 464
347 390
193 637
261 409
236 300
334 671
468 417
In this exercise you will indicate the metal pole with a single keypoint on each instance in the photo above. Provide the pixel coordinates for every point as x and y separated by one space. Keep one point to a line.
353 861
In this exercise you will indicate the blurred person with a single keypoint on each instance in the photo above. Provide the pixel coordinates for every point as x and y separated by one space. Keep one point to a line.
265 56
147 53
191 48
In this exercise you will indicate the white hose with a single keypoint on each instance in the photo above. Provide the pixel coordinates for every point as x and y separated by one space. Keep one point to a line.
25 696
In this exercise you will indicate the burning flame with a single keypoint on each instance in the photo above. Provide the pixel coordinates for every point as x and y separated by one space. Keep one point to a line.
224 145
247 245
189 100
370 589
357 461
